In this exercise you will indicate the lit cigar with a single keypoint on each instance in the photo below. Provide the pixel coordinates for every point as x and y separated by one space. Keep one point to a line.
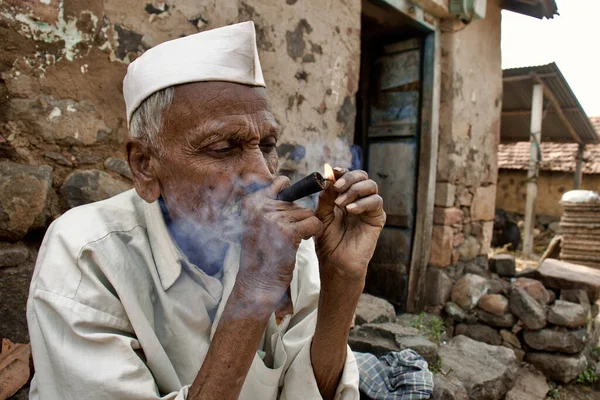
308 185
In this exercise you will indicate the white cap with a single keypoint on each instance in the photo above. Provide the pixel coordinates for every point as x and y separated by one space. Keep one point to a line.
223 54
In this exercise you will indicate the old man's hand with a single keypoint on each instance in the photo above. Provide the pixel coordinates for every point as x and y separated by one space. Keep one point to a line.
352 214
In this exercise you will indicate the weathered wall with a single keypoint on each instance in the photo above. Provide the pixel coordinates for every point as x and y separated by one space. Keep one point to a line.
512 190
62 117
471 102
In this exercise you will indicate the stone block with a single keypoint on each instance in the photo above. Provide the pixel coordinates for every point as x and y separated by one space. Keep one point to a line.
444 194
484 203
423 346
487 372
447 216
534 288
555 341
440 253
24 199
530 385
562 275
558 367
371 309
438 286
505 321
119 166
469 249
448 387
13 255
87 186
458 314
527 309
494 304
487 230
458 240
504 265
479 332
464 197
509 338
468 290
567 314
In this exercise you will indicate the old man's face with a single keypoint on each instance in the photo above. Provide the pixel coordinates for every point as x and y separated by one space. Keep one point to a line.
217 139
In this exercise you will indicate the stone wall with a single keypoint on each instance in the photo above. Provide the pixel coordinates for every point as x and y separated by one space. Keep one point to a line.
62 116
471 102
512 190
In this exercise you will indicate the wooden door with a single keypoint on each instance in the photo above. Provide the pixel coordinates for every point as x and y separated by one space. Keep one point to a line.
392 147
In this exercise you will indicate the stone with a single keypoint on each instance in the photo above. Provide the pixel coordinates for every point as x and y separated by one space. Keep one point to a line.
529 385
371 309
567 314
495 286
87 159
483 207
12 255
468 290
485 238
487 372
440 253
464 198
87 186
504 265
554 226
447 216
458 314
578 296
561 275
471 267
14 289
14 367
505 321
458 239
438 286
455 271
534 288
448 387
423 346
569 342
520 354
444 194
510 338
58 158
527 309
119 166
494 304
479 332
24 199
558 367
388 330
469 249
375 345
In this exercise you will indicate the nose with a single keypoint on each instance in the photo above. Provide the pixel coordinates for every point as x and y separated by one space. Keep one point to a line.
255 172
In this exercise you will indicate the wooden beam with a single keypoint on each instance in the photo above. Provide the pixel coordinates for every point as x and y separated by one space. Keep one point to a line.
428 153
578 167
537 111
415 13
517 113
437 8
528 76
556 105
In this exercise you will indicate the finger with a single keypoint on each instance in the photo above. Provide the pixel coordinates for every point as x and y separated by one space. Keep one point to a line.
279 183
371 205
307 228
296 215
339 171
349 179
326 202
358 190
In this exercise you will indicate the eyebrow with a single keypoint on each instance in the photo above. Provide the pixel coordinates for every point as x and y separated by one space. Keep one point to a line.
226 131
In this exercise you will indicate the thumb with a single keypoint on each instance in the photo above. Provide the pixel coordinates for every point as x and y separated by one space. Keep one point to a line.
326 203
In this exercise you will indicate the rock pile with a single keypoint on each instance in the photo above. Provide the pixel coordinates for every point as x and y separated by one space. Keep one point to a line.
580 227
546 316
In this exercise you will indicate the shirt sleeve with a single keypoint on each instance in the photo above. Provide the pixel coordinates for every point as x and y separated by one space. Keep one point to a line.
83 353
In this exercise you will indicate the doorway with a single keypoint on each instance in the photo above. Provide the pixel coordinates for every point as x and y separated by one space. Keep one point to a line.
389 131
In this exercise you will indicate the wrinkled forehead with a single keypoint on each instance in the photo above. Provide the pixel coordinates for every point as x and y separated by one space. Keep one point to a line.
210 107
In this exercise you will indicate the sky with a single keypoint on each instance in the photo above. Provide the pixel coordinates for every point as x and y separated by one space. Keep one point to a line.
572 40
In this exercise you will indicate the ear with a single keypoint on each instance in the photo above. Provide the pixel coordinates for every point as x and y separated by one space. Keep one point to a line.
145 181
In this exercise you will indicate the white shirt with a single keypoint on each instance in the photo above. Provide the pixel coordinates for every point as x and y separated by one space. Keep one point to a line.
116 311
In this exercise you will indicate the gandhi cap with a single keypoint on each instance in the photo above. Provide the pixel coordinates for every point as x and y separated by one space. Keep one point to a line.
222 54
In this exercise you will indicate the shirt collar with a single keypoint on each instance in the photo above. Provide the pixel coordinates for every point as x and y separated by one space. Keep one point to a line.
166 254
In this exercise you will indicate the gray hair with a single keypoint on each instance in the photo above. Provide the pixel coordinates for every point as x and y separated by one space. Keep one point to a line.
147 120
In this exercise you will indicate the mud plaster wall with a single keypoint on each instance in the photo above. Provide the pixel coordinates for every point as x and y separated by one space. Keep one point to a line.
62 63
471 102
512 190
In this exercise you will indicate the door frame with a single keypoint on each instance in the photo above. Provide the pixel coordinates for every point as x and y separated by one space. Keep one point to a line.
428 149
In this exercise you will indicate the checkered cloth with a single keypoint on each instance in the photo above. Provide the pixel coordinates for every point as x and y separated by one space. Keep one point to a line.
398 375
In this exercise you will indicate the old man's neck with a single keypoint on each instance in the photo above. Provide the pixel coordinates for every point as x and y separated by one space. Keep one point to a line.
206 252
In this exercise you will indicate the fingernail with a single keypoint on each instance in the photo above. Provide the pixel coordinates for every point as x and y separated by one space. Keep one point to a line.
338 169
351 206
340 200
339 183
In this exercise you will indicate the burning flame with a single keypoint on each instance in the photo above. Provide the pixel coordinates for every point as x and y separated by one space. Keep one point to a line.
328 173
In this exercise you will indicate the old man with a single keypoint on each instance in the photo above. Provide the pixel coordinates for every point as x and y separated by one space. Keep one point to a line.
199 283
